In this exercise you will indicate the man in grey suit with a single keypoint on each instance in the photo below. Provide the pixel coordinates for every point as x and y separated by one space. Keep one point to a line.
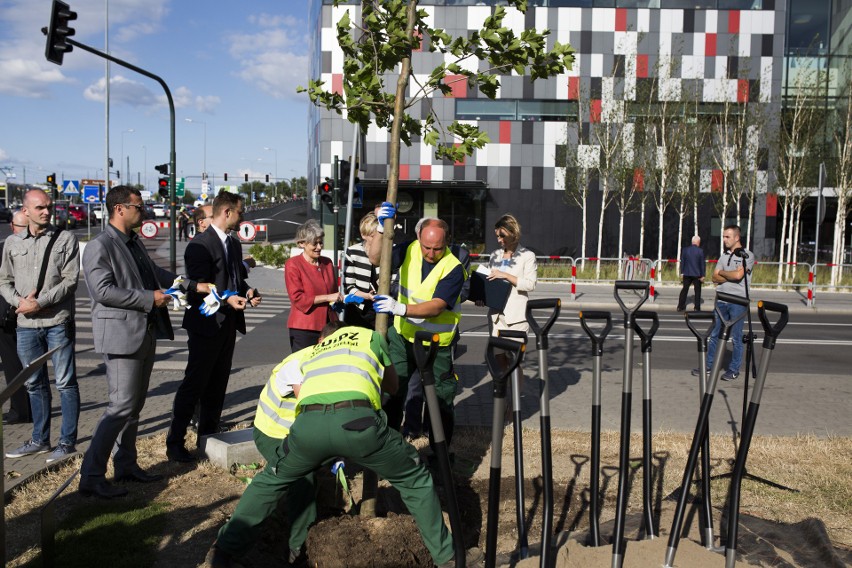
128 315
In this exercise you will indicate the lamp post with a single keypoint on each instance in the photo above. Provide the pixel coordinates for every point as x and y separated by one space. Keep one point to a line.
204 124
275 185
145 164
120 178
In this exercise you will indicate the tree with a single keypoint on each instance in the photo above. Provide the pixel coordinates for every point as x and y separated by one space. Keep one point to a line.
842 135
578 163
381 44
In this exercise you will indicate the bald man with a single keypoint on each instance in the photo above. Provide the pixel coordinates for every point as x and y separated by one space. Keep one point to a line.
692 271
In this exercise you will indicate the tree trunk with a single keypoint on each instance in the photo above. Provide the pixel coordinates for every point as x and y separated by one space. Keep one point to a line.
782 244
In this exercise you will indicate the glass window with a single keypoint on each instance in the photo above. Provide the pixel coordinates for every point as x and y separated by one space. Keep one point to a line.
546 110
485 109
808 27
740 4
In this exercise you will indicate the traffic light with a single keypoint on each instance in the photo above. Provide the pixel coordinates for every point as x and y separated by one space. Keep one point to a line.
163 187
325 190
267 178
246 177
59 31
345 172
51 180
163 169
226 177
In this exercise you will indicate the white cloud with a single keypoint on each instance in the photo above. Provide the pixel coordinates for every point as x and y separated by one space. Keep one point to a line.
28 78
274 59
3 155
136 94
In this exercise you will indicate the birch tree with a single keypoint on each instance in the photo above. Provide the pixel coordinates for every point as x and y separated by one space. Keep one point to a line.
579 162
842 135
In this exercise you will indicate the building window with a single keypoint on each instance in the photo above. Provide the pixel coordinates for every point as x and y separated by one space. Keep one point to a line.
808 27
511 109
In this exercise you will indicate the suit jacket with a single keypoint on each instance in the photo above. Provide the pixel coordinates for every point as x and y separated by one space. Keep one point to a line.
692 261
205 262
120 302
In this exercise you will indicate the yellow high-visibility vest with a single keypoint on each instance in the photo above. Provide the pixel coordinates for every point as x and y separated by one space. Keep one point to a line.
343 362
414 290
275 411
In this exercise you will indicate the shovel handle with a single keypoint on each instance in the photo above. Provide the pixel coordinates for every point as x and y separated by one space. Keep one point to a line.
640 285
425 351
512 334
515 350
731 299
541 331
772 331
646 335
701 335
597 338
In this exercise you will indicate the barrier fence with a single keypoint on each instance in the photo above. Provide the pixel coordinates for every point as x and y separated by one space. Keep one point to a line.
595 270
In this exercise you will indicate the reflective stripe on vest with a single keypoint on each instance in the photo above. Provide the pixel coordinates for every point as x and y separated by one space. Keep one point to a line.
343 362
414 290
276 412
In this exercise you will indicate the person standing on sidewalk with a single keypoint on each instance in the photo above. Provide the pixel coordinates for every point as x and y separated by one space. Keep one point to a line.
213 256
19 404
731 276
38 277
128 316
692 270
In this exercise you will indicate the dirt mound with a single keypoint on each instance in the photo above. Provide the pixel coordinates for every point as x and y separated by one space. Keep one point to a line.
348 541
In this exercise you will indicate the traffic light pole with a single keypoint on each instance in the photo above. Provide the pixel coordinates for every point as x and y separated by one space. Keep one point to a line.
172 155
335 193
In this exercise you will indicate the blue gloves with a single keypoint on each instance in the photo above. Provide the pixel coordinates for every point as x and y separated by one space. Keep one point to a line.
353 299
386 211
387 305
213 301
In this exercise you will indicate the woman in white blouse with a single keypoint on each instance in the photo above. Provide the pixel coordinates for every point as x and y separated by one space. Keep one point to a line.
517 265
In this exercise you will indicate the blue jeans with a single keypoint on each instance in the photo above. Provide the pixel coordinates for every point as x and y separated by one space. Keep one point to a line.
33 343
729 311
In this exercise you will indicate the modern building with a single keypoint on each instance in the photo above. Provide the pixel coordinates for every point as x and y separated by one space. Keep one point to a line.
718 51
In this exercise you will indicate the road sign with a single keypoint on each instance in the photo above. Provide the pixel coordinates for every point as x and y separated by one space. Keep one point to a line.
91 193
247 231
148 230
190 230
358 197
180 187
71 187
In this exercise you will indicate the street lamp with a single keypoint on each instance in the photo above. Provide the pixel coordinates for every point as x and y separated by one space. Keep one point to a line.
275 185
204 124
145 164
123 132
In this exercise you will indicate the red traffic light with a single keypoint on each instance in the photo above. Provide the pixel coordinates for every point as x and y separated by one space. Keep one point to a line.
163 185
325 188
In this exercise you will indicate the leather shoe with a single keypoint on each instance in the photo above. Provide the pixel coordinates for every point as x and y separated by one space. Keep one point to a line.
179 454
138 475
103 489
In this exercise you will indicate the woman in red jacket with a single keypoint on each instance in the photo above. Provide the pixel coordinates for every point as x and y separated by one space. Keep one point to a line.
311 281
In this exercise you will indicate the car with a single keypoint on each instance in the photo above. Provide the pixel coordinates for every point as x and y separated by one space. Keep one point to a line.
148 213
80 214
5 213
98 211
62 216
159 209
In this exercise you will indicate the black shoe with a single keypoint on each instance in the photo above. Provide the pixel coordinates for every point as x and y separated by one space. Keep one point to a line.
103 489
138 475
179 454
12 417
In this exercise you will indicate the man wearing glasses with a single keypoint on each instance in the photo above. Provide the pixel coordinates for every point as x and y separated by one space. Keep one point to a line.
38 277
129 313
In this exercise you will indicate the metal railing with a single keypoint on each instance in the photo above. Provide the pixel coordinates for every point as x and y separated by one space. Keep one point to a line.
5 395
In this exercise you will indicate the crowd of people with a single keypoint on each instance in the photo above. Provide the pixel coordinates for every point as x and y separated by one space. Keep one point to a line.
344 391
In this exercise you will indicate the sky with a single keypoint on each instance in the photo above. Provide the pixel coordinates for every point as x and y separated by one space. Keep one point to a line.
232 68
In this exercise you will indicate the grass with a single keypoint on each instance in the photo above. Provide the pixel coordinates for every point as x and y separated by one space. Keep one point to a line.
121 533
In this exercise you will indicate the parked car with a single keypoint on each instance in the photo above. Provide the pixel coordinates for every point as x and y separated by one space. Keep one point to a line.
149 212
159 209
80 214
62 216
98 211
5 213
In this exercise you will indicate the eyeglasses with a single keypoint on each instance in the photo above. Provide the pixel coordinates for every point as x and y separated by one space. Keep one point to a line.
139 208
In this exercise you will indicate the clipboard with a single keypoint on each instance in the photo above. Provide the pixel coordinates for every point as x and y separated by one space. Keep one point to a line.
495 293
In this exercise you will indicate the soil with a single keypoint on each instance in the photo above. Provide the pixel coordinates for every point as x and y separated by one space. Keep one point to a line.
200 497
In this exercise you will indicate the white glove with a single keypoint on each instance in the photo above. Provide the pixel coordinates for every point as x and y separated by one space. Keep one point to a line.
178 295
387 305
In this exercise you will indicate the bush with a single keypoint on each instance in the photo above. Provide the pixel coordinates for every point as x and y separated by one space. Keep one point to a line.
270 255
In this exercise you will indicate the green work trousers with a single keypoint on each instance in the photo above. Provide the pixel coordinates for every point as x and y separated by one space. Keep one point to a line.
446 382
301 502
356 434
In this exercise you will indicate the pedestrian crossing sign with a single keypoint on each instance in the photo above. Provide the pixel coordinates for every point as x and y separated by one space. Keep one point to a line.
71 187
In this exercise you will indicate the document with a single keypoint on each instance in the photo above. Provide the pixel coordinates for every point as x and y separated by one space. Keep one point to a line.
494 293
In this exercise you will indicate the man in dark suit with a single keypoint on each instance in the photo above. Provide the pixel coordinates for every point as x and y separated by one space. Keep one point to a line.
216 257
692 271
19 404
129 313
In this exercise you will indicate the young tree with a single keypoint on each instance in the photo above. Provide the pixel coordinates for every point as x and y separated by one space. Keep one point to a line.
579 163
842 134
378 46
380 43
693 134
